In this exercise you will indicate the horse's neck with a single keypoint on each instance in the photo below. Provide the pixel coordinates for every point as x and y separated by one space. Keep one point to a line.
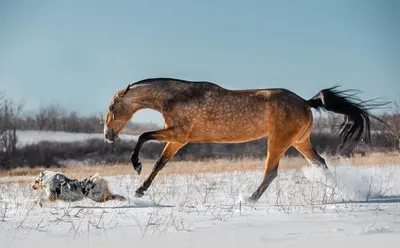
151 96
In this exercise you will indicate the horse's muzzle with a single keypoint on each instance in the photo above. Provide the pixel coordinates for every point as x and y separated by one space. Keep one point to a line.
109 135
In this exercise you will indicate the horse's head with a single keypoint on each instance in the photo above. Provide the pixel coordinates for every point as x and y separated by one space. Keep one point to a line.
118 114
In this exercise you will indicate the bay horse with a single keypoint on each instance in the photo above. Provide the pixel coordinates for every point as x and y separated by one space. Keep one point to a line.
199 112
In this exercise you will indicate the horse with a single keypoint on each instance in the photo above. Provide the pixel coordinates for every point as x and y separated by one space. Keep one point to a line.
204 112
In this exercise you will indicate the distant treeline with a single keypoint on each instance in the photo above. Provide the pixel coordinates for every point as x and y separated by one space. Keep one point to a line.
56 118
96 151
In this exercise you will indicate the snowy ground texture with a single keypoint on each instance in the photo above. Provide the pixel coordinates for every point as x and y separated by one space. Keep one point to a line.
299 209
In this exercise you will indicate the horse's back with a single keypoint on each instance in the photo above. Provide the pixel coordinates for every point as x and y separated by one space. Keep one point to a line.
233 115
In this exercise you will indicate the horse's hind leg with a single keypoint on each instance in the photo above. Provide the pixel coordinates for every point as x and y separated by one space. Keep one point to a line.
305 148
168 152
271 171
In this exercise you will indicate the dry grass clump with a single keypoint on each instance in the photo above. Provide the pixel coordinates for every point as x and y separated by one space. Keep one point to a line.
373 159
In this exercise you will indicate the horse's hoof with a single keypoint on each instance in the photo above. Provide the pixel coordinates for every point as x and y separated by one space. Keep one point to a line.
253 199
136 165
138 168
139 195
139 192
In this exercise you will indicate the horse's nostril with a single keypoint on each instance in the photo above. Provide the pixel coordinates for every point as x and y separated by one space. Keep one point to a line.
106 135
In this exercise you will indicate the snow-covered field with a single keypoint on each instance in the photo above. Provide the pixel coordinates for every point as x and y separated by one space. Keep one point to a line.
210 210
26 137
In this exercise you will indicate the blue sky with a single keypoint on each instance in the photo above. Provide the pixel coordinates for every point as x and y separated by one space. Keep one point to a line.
78 53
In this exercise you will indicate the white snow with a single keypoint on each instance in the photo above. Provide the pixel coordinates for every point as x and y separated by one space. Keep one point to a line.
26 137
360 208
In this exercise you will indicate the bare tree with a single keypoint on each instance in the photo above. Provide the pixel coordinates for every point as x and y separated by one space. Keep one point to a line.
394 122
9 113
54 113
73 123
42 118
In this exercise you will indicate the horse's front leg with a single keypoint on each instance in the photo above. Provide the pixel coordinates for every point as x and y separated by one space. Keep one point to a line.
165 135
169 151
135 154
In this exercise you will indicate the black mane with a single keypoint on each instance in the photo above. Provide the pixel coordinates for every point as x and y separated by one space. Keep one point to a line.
162 79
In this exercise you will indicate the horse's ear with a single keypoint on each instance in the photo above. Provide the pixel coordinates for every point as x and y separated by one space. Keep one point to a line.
126 90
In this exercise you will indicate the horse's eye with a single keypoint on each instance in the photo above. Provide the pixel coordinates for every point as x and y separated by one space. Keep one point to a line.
112 108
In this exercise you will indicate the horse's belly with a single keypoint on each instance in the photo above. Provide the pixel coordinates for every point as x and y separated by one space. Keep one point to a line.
229 131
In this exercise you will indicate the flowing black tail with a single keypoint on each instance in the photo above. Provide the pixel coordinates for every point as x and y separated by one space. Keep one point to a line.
357 116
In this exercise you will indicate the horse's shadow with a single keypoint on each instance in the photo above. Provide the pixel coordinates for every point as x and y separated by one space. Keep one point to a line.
374 200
